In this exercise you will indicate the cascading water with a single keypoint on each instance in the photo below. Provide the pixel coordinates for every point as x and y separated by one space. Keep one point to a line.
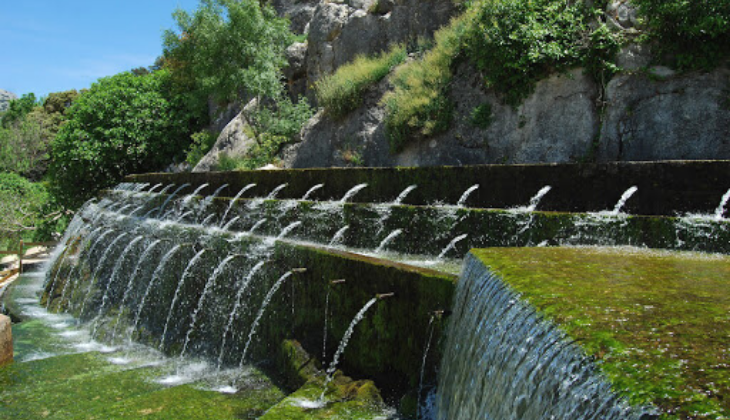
431 328
311 191
233 202
720 211
503 361
388 239
451 245
338 236
100 265
622 201
175 298
466 194
159 210
351 193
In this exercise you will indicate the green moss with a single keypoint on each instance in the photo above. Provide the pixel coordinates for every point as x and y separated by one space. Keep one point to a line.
656 322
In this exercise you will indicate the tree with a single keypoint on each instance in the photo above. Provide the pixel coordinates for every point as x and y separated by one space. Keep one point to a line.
228 47
123 124
22 205
17 109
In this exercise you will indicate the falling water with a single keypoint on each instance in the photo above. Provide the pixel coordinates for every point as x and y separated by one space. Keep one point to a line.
504 361
394 234
339 236
175 298
720 211
64 254
264 304
100 264
242 288
311 191
208 286
151 190
207 219
233 202
130 283
155 276
162 207
451 245
343 345
256 225
69 279
326 317
231 222
622 201
431 328
114 276
465 195
287 230
184 215
208 200
535 200
403 194
190 196
351 193
272 195
152 197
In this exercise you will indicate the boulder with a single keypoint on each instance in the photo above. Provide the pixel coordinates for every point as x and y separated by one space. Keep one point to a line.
5 98
233 141
6 341
662 115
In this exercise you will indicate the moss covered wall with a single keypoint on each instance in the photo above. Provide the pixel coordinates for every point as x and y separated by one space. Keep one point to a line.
665 188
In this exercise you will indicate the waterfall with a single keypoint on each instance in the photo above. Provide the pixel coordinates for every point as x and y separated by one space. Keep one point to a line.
100 264
155 277
504 361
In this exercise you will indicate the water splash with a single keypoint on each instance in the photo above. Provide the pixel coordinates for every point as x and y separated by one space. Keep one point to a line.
451 245
155 277
535 200
208 286
160 209
231 222
388 239
622 201
256 225
343 345
287 230
351 193
207 219
402 196
272 195
176 297
100 264
186 200
466 194
311 191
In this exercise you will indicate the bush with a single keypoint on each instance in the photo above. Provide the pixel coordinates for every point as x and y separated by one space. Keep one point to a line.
201 143
22 208
481 116
516 43
341 92
123 124
696 32
418 106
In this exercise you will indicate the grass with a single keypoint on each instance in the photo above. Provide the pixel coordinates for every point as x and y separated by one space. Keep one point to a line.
341 92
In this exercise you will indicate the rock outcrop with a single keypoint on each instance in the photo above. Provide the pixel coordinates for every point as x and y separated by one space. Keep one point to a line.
232 141
6 341
5 98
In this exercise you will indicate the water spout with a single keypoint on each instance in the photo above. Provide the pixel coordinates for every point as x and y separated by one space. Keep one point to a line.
622 201
162 207
465 195
287 230
451 245
311 191
535 200
339 235
720 211
233 202
394 234
272 195
231 222
155 276
351 193
403 194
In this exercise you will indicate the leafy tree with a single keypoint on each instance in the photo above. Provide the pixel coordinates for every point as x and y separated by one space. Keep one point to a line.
22 206
123 124
17 109
227 48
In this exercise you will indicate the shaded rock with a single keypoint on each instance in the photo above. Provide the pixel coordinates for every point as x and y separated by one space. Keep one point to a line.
296 71
233 141
677 117
5 98
6 341
299 13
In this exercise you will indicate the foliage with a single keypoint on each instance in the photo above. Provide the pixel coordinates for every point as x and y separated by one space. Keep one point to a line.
228 47
696 32
17 109
261 153
123 124
516 43
341 92
22 208
481 115
282 118
202 142
418 105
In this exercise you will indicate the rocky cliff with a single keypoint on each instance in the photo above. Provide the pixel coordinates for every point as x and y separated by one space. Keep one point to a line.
5 98
645 112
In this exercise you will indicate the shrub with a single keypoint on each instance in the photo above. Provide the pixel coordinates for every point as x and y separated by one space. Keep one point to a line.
481 115
201 143
516 43
418 106
123 124
696 32
22 208
341 92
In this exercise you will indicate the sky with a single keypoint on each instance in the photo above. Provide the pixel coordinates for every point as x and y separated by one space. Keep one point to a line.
56 45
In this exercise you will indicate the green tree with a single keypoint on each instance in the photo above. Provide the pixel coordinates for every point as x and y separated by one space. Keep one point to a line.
22 206
17 109
123 124
227 48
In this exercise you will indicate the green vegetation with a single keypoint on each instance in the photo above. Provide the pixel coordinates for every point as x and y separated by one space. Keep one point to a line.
123 124
342 91
696 33
201 143
418 106
26 211
656 322
481 115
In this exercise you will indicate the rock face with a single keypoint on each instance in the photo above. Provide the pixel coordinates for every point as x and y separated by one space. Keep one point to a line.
6 341
232 141
5 98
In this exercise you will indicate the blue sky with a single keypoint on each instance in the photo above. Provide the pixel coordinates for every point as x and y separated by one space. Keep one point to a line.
55 45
